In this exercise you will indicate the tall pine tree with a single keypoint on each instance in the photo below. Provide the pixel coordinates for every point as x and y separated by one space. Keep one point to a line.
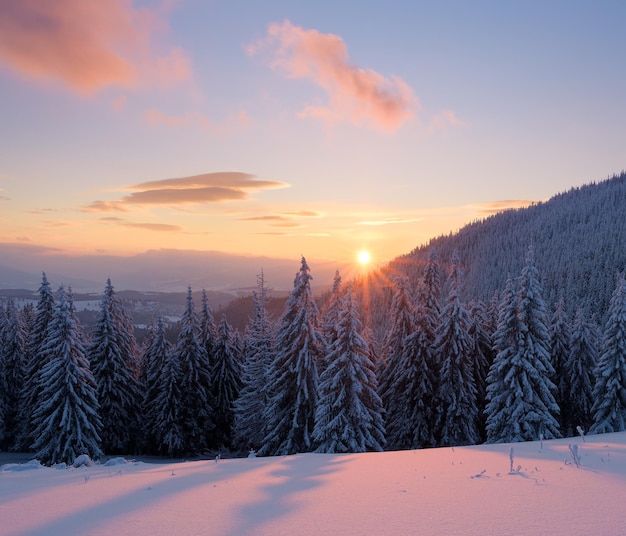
579 368
197 410
520 393
349 413
453 347
293 374
391 369
155 360
113 358
13 362
609 394
560 340
250 406
226 383
36 359
66 417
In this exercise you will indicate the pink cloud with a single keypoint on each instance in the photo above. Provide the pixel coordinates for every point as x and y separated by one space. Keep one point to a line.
197 189
360 96
88 45
445 119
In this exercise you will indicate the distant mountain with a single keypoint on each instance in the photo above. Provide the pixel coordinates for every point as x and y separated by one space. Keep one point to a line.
164 270
579 239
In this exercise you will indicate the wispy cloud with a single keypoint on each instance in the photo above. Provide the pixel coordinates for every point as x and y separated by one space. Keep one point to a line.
88 45
160 227
389 221
303 213
499 206
198 189
359 96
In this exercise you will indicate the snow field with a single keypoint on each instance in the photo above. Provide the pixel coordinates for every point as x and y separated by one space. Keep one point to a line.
462 490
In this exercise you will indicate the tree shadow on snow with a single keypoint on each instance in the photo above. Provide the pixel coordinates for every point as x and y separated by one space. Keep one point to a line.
295 474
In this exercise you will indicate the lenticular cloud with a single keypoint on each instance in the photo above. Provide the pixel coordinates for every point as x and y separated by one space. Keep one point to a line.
360 96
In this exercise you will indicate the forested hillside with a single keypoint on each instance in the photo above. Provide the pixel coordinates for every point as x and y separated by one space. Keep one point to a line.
512 330
579 238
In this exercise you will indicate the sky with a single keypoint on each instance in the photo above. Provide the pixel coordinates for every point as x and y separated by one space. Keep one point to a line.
283 128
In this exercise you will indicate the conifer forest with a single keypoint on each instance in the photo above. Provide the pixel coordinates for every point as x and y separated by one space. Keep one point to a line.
512 329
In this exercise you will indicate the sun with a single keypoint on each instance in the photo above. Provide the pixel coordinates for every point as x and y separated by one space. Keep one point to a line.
364 257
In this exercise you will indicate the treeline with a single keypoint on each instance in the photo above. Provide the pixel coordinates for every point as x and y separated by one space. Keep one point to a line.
579 239
315 379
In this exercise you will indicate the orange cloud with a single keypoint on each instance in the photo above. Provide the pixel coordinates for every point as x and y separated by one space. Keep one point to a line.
161 227
389 221
88 45
206 188
500 206
360 96
303 213
104 206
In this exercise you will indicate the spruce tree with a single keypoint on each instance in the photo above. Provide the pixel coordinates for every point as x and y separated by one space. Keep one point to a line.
155 360
348 417
453 347
331 311
391 370
226 383
580 368
414 426
36 359
521 404
249 430
66 417
113 358
167 413
482 357
293 374
196 407
208 329
609 394
13 363
560 340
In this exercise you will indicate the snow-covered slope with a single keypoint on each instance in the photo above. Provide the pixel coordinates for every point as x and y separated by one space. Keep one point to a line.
462 490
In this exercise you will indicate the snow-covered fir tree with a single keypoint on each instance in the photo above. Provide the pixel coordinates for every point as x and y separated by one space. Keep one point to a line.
453 347
249 429
113 357
36 358
196 407
348 417
293 374
330 313
167 412
66 418
560 339
429 295
390 369
13 363
482 356
208 328
225 383
580 368
155 359
414 426
520 393
609 394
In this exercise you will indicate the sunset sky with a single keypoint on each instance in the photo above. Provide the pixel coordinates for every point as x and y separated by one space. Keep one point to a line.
282 128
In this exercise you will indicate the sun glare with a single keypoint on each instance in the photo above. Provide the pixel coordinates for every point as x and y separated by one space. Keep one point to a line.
364 257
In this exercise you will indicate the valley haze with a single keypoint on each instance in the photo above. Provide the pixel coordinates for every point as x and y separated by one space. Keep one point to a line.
165 270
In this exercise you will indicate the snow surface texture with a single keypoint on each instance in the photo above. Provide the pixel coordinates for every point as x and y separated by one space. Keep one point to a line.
533 488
